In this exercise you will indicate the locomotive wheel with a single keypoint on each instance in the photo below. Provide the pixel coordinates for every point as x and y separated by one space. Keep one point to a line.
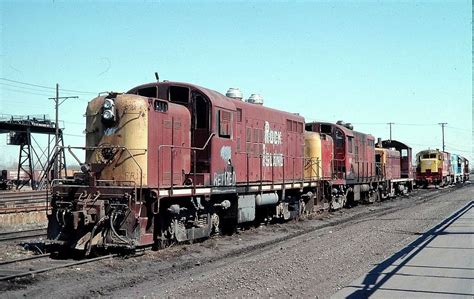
374 197
338 202
303 212
308 207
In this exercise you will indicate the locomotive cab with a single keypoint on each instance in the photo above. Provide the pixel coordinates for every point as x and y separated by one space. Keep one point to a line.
199 107
406 169
210 130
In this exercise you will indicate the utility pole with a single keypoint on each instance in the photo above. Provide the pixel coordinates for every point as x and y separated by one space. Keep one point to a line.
57 103
390 124
442 131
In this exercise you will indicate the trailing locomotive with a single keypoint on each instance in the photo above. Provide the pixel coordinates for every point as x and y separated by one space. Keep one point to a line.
361 171
396 168
465 168
433 167
440 168
459 169
171 162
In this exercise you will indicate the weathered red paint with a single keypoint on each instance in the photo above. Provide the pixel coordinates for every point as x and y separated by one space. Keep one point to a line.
327 153
392 165
406 165
354 152
249 143
168 128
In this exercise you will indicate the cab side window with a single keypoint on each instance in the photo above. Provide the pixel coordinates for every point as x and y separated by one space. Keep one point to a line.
349 144
225 123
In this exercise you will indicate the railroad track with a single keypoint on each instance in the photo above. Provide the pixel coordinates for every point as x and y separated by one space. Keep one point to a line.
21 235
16 268
23 201
423 196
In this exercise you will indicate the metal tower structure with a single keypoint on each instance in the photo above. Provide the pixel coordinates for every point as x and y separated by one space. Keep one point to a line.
21 130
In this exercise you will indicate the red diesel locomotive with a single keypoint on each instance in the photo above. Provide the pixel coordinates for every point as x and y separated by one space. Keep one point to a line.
361 171
172 161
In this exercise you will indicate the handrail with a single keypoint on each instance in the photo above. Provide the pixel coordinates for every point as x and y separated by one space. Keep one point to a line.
338 166
310 162
172 146
88 148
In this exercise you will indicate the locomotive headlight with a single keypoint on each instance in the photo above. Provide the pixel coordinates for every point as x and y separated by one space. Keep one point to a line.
108 111
108 104
108 115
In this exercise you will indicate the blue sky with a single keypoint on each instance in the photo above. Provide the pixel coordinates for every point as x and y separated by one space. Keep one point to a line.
368 62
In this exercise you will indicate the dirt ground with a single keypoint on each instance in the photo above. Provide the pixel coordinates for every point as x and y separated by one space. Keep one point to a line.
309 258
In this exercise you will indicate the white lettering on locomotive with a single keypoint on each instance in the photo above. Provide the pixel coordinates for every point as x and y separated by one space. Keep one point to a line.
272 137
226 178
275 138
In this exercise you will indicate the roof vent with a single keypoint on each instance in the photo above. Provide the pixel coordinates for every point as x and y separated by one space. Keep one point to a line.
255 98
234 93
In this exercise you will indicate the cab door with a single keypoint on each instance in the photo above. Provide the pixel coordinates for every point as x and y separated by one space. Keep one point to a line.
223 148
200 132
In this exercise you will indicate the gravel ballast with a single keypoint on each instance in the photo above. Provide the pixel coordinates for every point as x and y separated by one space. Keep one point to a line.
310 258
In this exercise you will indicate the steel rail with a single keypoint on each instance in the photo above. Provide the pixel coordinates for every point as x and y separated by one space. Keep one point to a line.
18 236
22 231
21 259
32 272
29 194
22 209
22 200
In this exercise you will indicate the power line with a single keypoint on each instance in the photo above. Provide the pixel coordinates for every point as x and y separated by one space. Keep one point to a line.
416 125
457 148
369 123
466 145
22 87
454 128
25 88
79 91
400 124
49 87
34 93
419 144
27 92
29 84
